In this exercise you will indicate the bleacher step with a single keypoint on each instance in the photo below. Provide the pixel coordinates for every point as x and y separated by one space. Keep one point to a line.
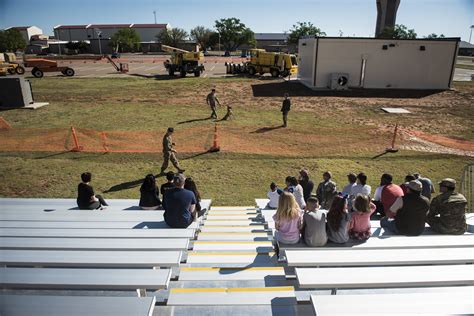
234 236
257 246
231 259
220 274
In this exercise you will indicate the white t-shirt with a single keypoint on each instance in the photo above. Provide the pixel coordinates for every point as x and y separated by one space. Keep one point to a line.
378 193
360 189
348 188
273 196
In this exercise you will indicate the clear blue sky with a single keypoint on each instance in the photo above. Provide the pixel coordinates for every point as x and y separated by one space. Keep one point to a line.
352 17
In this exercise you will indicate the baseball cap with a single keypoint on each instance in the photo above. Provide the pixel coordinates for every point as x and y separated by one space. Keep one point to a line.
448 182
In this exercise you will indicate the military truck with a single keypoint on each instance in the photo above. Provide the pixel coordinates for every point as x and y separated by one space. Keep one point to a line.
277 64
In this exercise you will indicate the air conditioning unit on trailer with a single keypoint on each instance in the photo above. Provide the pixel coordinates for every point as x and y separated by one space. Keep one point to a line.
339 81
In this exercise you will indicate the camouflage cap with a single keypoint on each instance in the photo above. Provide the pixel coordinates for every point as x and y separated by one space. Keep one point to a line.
415 185
448 182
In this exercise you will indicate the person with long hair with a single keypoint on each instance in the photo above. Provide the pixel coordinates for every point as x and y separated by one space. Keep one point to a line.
362 208
190 185
296 189
149 194
338 220
288 219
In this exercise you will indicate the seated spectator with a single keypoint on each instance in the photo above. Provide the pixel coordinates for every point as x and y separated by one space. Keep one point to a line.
149 195
326 190
447 210
428 187
288 219
169 184
273 195
179 204
190 185
360 188
294 187
306 183
376 200
404 185
359 227
389 195
338 220
86 198
314 224
409 211
351 178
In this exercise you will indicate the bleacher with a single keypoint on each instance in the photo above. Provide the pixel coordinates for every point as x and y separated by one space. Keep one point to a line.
57 260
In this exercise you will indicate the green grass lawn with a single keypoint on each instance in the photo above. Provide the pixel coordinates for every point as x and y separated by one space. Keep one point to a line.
232 177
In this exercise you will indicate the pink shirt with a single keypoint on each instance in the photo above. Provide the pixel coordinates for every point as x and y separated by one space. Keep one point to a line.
390 193
288 230
360 221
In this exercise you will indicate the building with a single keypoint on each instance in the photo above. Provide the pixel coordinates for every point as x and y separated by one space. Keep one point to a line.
386 14
84 32
466 49
336 62
274 42
27 31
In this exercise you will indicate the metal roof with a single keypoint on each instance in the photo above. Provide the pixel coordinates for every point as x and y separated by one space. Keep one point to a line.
464 44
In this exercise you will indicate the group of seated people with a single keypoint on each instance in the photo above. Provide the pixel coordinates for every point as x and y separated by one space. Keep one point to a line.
180 198
404 208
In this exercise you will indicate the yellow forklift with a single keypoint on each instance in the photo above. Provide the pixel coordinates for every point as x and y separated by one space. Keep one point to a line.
13 65
183 61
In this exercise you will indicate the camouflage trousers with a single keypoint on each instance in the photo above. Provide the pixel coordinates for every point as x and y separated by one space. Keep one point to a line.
167 156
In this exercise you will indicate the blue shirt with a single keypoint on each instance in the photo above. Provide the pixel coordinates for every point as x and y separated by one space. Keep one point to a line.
176 203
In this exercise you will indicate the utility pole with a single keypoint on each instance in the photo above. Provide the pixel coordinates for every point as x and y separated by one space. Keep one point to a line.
154 13
99 35
470 35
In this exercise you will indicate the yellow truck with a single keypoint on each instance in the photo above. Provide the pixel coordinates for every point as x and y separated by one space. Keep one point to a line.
183 61
277 64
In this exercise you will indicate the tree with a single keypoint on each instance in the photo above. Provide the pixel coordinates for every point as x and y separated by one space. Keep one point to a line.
125 39
202 36
234 33
172 37
434 35
80 46
399 31
301 29
11 40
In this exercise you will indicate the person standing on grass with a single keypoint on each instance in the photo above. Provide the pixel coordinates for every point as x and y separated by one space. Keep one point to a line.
314 224
285 109
149 194
448 210
288 219
86 198
211 100
169 153
359 227
409 211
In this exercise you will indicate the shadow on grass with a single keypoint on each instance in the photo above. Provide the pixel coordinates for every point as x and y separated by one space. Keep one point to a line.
195 120
82 155
156 77
124 186
266 129
198 155
296 89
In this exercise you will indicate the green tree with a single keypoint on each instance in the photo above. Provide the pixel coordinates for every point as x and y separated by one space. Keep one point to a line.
434 35
202 36
80 46
125 39
172 37
399 31
301 29
234 33
11 40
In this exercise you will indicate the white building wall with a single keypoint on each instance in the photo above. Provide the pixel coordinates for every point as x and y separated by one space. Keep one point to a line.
306 61
33 30
403 66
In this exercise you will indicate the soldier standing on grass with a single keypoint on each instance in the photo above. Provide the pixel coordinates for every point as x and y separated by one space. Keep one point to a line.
211 100
169 153
285 109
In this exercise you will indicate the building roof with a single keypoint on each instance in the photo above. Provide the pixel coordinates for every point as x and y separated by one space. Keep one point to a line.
271 36
19 27
71 26
464 44
111 26
108 26
160 26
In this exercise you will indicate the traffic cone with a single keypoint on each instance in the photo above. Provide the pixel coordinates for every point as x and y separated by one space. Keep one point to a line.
393 149
76 142
215 147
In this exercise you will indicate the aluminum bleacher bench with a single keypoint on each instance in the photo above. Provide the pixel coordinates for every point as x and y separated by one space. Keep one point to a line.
220 274
93 259
232 296
379 257
392 242
95 225
258 246
84 279
234 236
81 215
232 259
457 302
39 305
385 277
97 233
141 244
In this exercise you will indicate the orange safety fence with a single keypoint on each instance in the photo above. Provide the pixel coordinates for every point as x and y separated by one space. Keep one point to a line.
4 124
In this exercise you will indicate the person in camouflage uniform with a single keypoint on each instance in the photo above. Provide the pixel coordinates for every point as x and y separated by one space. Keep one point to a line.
326 191
169 153
451 207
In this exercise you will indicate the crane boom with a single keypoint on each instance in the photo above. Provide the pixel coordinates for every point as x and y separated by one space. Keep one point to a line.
171 49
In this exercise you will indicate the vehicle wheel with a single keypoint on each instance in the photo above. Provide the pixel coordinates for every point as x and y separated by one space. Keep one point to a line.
197 73
37 73
11 71
20 70
275 73
69 72
252 71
